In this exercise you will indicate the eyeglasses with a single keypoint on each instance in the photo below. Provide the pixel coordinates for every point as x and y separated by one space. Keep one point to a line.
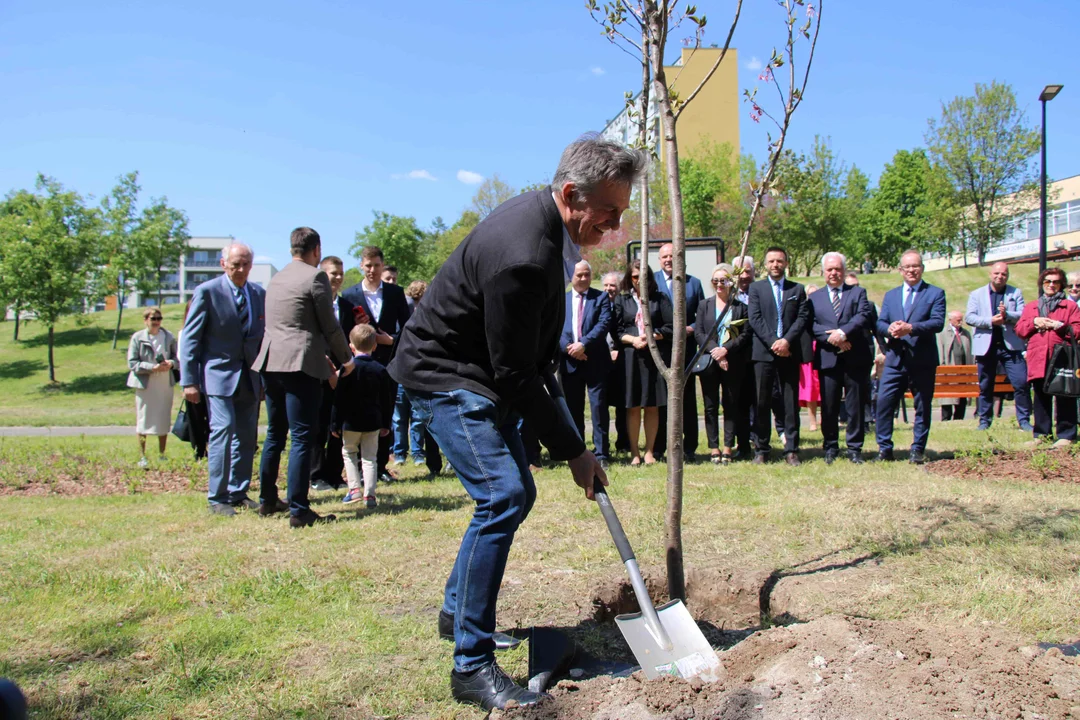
1051 282
720 281
1073 285
155 318
635 277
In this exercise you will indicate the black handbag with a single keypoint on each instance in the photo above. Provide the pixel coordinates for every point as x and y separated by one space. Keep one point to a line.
182 427
1063 369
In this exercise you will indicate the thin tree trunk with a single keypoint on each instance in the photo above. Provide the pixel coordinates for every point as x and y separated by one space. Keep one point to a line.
119 316
676 373
17 313
52 365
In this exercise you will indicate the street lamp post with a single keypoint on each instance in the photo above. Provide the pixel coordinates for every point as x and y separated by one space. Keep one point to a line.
1049 93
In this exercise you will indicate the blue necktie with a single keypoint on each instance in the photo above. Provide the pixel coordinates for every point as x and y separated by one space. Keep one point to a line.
242 311
779 307
910 292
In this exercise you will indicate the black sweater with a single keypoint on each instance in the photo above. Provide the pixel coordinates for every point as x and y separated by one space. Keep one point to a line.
364 399
491 320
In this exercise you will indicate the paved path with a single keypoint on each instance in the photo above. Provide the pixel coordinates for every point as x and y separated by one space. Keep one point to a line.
75 431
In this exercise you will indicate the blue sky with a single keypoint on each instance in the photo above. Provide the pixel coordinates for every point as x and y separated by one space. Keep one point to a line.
258 117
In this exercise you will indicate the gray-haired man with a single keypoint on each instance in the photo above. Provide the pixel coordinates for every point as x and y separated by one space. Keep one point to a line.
473 359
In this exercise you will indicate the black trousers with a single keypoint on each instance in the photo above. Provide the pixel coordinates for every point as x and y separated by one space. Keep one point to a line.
854 385
327 463
432 454
1043 406
690 421
723 388
954 412
786 371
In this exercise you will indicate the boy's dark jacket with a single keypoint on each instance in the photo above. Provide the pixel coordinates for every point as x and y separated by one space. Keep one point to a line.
364 399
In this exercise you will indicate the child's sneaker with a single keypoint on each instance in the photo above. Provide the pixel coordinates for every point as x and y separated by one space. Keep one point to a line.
352 497
370 501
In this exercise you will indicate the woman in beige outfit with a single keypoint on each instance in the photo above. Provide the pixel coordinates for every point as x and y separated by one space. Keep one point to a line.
151 358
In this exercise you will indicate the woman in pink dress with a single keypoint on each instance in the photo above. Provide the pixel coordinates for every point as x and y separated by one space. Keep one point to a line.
809 389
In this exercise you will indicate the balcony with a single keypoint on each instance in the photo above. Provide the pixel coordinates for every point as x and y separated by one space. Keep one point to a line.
191 262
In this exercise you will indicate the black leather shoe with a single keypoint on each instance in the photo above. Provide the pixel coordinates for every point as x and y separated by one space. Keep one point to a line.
267 509
490 688
793 459
830 458
855 457
885 456
446 632
247 503
917 458
309 518
759 459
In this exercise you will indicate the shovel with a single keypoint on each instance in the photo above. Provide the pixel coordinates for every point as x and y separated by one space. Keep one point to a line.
664 640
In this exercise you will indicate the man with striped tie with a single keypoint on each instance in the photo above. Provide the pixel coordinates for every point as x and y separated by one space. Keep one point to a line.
220 339
843 320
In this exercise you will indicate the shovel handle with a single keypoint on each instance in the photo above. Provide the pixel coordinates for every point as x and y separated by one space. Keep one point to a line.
614 526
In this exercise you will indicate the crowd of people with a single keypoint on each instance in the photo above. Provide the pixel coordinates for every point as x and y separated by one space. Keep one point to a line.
771 347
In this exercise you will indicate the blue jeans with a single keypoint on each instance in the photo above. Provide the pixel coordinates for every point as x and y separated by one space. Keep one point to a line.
234 427
407 429
292 408
484 447
1015 367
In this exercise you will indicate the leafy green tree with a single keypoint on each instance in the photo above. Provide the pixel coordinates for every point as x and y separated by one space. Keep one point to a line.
986 150
447 241
492 193
402 241
158 243
51 242
912 207
120 222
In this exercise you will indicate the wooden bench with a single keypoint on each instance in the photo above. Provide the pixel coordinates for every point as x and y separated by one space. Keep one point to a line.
962 381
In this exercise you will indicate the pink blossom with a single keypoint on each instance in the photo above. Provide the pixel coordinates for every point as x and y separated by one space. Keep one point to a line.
755 114
766 74
810 11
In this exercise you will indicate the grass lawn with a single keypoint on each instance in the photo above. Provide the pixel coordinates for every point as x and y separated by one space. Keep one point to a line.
140 604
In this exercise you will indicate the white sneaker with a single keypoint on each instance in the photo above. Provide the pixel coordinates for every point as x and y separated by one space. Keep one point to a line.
1062 443
320 486
143 462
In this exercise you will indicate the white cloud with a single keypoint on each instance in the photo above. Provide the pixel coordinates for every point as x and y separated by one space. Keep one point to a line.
414 175
754 64
597 70
470 178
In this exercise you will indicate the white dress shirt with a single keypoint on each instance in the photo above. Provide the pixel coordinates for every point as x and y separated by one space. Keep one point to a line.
374 301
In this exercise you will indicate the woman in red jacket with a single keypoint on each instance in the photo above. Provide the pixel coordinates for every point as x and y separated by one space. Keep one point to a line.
1044 324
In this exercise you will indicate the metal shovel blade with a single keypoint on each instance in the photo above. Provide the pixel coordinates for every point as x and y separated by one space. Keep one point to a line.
690 655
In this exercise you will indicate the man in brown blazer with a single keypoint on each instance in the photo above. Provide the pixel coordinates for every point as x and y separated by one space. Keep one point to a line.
301 333
954 348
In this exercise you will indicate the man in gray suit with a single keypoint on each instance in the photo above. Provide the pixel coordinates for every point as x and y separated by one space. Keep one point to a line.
993 310
301 332
220 339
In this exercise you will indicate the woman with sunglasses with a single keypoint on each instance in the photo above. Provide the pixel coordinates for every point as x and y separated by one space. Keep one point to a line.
152 358
729 347
1043 325
645 386
1072 286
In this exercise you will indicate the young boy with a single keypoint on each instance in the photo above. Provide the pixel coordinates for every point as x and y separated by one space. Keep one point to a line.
363 403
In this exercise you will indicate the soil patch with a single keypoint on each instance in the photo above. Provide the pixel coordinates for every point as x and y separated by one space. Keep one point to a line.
100 481
840 667
1035 466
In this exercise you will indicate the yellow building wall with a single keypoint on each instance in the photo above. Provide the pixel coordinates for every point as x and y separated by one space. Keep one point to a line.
714 113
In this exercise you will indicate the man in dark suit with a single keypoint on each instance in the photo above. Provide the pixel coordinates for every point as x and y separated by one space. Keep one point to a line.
842 322
585 362
221 338
474 357
779 313
383 306
327 463
911 317
301 332
694 296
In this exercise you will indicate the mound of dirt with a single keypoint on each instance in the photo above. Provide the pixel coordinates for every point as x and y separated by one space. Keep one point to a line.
838 667
1035 466
103 481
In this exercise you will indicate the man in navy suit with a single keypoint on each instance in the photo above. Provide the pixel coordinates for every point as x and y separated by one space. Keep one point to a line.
911 317
694 296
585 361
383 306
778 315
327 463
843 319
221 338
